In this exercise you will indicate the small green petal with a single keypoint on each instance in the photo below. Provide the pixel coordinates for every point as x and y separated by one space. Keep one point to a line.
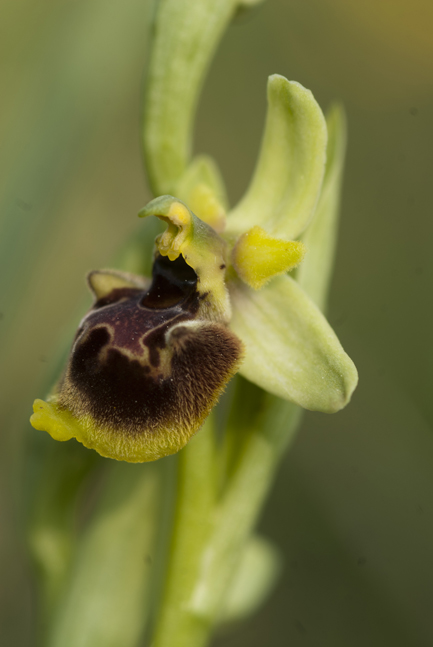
202 188
103 282
258 257
291 350
321 236
287 180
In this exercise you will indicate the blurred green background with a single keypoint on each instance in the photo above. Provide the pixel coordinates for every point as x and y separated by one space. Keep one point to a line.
352 507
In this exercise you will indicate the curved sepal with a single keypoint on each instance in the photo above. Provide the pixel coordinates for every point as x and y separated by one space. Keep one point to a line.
321 236
290 349
286 183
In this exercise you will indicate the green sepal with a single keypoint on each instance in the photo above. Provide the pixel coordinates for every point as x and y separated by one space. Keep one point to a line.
286 184
290 349
321 236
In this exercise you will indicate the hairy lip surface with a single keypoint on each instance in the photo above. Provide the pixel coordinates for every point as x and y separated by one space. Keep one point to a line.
136 370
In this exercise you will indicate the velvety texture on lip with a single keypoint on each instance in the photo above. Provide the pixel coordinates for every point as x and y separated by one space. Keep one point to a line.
145 368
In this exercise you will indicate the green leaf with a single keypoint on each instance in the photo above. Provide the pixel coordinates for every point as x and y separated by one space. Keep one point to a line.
55 482
321 236
288 177
106 601
291 350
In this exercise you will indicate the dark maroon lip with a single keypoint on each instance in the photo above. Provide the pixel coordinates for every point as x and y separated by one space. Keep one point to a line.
130 325
130 375
135 317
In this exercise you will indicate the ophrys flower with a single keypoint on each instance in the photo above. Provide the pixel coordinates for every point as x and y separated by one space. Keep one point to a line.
152 356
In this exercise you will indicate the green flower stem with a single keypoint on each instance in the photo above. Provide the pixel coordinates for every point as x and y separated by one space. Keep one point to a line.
177 623
241 504
209 535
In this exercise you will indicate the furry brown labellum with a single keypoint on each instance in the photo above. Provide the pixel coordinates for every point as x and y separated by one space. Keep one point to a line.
146 367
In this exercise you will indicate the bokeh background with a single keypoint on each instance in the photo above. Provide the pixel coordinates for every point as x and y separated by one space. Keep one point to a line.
352 507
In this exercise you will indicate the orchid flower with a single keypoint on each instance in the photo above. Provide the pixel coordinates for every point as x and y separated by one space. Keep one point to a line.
153 355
